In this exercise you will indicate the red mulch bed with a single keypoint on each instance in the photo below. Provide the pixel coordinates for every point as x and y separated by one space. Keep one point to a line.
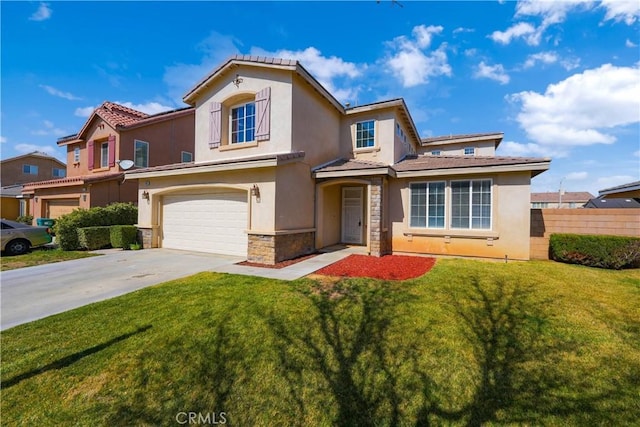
388 267
281 264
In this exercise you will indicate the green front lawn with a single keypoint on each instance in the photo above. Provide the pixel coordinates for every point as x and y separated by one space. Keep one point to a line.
470 343
40 256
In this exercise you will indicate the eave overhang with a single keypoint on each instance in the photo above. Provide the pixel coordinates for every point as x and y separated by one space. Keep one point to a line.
534 168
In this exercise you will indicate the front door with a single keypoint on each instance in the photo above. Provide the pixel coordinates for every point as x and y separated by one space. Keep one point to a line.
352 223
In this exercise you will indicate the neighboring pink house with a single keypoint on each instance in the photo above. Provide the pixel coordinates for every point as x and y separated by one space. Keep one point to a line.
283 169
112 134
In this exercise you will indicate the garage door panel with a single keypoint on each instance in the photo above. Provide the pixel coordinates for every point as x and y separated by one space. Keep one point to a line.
213 222
57 208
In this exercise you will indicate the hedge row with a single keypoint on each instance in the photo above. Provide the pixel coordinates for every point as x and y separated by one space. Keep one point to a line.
115 236
66 227
612 252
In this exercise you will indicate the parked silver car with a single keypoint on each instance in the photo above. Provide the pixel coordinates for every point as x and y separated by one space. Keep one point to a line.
18 238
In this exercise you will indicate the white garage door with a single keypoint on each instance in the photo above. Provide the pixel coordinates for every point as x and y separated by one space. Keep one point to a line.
214 222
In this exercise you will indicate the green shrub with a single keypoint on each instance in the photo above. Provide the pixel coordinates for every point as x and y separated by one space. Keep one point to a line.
25 219
612 252
122 236
66 226
92 238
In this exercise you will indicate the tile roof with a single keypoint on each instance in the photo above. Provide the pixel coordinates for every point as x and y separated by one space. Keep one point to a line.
623 203
74 180
344 165
175 166
428 162
567 197
620 188
119 115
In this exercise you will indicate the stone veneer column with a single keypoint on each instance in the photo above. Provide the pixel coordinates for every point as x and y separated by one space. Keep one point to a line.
377 237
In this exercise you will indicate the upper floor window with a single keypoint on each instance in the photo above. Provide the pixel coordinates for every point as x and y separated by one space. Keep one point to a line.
186 157
76 155
540 205
436 153
104 155
141 154
59 173
30 169
243 122
365 134
469 151
471 204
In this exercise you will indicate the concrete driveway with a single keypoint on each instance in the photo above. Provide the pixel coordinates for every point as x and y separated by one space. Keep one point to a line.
33 293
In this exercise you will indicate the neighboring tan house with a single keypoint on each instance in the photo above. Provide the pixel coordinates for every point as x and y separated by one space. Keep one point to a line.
283 169
630 190
18 170
564 199
112 139
30 167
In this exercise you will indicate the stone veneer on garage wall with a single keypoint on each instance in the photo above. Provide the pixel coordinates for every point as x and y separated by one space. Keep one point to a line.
271 249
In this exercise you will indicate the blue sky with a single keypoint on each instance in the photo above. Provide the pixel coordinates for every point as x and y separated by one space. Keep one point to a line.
561 79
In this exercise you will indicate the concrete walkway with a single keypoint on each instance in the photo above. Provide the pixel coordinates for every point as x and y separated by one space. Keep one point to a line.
33 293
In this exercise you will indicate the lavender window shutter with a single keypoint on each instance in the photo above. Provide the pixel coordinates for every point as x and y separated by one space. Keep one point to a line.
90 153
263 114
215 124
112 150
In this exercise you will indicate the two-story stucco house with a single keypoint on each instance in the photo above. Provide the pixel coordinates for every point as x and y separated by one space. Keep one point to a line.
112 134
283 169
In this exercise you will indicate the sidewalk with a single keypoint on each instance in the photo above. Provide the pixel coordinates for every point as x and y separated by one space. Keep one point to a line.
297 270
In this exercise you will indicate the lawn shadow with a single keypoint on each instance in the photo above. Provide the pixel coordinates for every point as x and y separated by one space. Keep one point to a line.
201 368
344 346
521 373
71 359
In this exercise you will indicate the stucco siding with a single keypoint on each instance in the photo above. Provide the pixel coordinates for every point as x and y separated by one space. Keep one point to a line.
508 235
294 206
225 91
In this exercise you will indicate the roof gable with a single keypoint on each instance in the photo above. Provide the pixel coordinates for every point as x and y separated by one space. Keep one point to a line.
113 114
35 154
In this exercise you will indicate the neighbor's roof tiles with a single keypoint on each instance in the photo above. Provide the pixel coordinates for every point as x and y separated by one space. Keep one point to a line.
567 197
443 138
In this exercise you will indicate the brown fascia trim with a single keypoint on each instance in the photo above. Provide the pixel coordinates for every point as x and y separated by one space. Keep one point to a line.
457 139
70 182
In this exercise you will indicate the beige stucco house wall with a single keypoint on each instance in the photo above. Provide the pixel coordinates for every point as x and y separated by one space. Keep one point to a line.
282 169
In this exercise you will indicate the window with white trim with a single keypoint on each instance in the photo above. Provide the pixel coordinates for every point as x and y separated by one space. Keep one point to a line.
427 208
186 157
76 155
471 204
469 151
141 154
104 155
436 152
365 134
243 122
30 169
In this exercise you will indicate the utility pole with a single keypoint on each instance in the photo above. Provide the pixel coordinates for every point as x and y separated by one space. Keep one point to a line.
560 194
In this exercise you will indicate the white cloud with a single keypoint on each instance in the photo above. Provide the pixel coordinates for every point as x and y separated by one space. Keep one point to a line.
49 129
622 10
470 52
3 139
412 63
581 109
493 72
543 57
84 111
55 92
512 148
149 107
570 63
577 176
551 12
629 43
329 71
463 30
42 14
521 29
635 153
30 148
